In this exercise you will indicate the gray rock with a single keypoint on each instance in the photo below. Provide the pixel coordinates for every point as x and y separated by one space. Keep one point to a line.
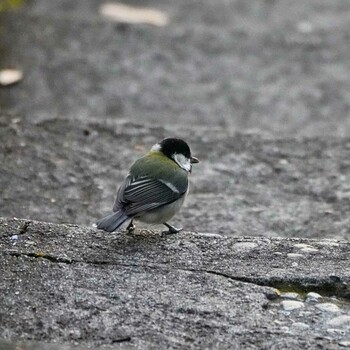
345 343
93 289
328 307
91 104
313 297
83 179
342 320
213 67
243 83
26 345
300 326
289 305
295 255
290 295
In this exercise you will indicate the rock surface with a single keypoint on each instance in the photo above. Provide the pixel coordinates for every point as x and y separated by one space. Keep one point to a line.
271 65
67 171
76 285
240 83
259 89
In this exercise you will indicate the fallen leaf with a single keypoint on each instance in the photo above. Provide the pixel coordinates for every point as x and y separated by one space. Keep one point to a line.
10 76
130 14
139 147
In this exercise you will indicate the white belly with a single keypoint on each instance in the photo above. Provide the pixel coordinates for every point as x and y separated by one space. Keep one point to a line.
164 213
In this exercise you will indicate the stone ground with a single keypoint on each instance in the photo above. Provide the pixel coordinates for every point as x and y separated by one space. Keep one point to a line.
259 89
197 291
263 88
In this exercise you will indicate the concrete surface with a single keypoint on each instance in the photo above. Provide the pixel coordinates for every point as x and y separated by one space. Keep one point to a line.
74 285
67 171
260 90
240 83
277 66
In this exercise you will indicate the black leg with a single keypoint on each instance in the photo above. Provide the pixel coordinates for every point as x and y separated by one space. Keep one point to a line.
171 230
131 227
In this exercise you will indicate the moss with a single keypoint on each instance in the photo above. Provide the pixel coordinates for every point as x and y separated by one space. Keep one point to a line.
6 5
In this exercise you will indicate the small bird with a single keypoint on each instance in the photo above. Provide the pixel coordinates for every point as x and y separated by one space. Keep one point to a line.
155 188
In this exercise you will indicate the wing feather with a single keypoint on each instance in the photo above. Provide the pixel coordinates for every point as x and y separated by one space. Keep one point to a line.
146 193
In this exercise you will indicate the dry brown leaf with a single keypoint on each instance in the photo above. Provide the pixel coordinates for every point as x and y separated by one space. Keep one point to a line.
130 14
139 147
10 76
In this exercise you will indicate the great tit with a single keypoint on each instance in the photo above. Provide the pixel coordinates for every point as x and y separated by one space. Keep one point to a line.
155 188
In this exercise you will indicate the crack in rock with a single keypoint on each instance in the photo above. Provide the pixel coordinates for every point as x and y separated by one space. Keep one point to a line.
333 286
121 340
51 258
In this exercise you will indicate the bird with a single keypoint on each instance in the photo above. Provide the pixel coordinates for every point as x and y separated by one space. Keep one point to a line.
155 188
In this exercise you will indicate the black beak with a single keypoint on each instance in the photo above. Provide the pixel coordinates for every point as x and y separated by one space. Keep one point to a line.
194 160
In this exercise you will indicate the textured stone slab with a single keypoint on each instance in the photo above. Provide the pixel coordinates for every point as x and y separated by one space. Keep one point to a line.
75 285
67 171
274 66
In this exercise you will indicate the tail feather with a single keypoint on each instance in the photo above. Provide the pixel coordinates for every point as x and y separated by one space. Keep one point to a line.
112 221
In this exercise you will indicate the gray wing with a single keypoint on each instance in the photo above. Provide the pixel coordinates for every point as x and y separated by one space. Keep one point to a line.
144 193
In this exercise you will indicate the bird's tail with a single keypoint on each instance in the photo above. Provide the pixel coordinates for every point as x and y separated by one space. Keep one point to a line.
112 221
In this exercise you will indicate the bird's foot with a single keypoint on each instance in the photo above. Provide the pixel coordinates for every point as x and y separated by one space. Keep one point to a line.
172 230
131 227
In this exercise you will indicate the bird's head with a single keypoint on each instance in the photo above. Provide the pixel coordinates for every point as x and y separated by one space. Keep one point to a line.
178 151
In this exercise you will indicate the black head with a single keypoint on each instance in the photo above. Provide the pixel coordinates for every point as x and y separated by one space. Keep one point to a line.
171 146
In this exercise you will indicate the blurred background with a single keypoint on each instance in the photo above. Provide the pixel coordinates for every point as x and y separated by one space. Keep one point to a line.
260 90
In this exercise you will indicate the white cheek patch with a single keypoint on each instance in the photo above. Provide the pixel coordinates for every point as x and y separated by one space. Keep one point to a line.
183 162
156 147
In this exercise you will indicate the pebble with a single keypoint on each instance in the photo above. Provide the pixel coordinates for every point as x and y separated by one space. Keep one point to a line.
289 305
313 297
245 246
290 296
207 234
305 27
14 237
306 248
294 255
329 242
300 325
309 250
328 307
302 245
335 331
340 321
273 294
